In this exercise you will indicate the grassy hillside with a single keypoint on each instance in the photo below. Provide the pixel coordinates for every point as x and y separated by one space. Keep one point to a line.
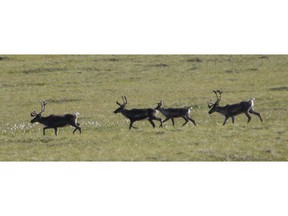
90 85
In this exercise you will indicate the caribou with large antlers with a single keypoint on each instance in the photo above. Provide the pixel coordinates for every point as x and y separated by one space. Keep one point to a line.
232 110
137 114
172 113
55 121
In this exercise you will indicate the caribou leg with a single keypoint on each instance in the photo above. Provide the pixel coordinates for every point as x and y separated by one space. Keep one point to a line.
131 125
226 118
77 127
255 113
186 120
172 119
152 123
192 120
167 118
160 120
44 130
56 130
248 116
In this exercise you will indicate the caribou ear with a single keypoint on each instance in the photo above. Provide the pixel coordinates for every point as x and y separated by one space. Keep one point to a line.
33 113
210 105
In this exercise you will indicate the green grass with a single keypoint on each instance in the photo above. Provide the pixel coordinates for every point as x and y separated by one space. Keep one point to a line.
90 85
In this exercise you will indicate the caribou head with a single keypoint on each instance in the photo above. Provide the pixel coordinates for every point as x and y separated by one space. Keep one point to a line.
121 106
37 116
213 106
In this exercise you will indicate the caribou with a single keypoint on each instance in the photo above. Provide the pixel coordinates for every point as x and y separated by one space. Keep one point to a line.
55 121
137 114
231 110
172 113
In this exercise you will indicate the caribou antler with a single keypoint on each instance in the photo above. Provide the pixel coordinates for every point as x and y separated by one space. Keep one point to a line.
219 92
43 104
34 113
159 105
124 101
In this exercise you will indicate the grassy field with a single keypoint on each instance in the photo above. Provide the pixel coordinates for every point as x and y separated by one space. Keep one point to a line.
91 84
